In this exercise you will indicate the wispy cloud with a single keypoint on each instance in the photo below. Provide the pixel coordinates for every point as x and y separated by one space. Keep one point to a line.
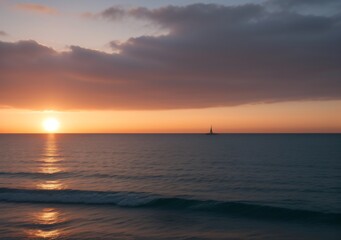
38 8
88 15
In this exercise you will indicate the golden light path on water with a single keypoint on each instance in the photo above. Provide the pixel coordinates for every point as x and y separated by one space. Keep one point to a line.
50 164
48 217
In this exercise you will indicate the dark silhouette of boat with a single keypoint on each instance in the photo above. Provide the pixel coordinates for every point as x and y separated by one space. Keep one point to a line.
211 132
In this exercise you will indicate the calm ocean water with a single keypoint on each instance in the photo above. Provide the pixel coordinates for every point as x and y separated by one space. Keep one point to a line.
238 186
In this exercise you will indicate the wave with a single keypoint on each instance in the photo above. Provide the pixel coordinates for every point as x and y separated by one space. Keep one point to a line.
135 199
33 174
75 174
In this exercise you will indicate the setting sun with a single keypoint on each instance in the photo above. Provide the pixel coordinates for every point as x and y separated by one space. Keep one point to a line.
51 124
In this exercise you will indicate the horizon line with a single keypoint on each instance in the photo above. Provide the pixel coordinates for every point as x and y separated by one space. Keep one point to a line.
161 133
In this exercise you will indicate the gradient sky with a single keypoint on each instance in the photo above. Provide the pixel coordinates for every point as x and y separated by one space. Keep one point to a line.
171 66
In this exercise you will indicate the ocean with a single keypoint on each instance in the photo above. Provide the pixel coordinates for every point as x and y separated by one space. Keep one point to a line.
170 186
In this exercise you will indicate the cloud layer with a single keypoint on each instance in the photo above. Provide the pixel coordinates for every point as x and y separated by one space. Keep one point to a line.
212 56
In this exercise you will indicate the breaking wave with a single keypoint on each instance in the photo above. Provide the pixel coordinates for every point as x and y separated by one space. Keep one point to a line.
146 200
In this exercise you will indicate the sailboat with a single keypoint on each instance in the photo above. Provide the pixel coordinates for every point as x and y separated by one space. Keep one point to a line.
211 132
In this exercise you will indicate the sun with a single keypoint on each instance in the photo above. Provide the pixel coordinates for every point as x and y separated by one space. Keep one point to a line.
51 125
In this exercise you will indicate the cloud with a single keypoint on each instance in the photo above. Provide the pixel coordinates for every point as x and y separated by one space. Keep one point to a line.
38 8
3 34
315 7
212 56
113 13
295 3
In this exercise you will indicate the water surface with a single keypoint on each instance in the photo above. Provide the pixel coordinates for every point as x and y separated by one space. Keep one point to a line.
112 186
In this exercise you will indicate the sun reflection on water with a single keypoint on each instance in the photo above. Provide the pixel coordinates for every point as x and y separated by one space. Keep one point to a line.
46 219
51 185
50 164
50 169
51 234
48 216
47 222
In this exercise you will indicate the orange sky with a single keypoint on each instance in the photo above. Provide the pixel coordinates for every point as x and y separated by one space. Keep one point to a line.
278 117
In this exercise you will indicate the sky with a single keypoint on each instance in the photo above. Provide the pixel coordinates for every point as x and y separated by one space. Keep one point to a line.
171 66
